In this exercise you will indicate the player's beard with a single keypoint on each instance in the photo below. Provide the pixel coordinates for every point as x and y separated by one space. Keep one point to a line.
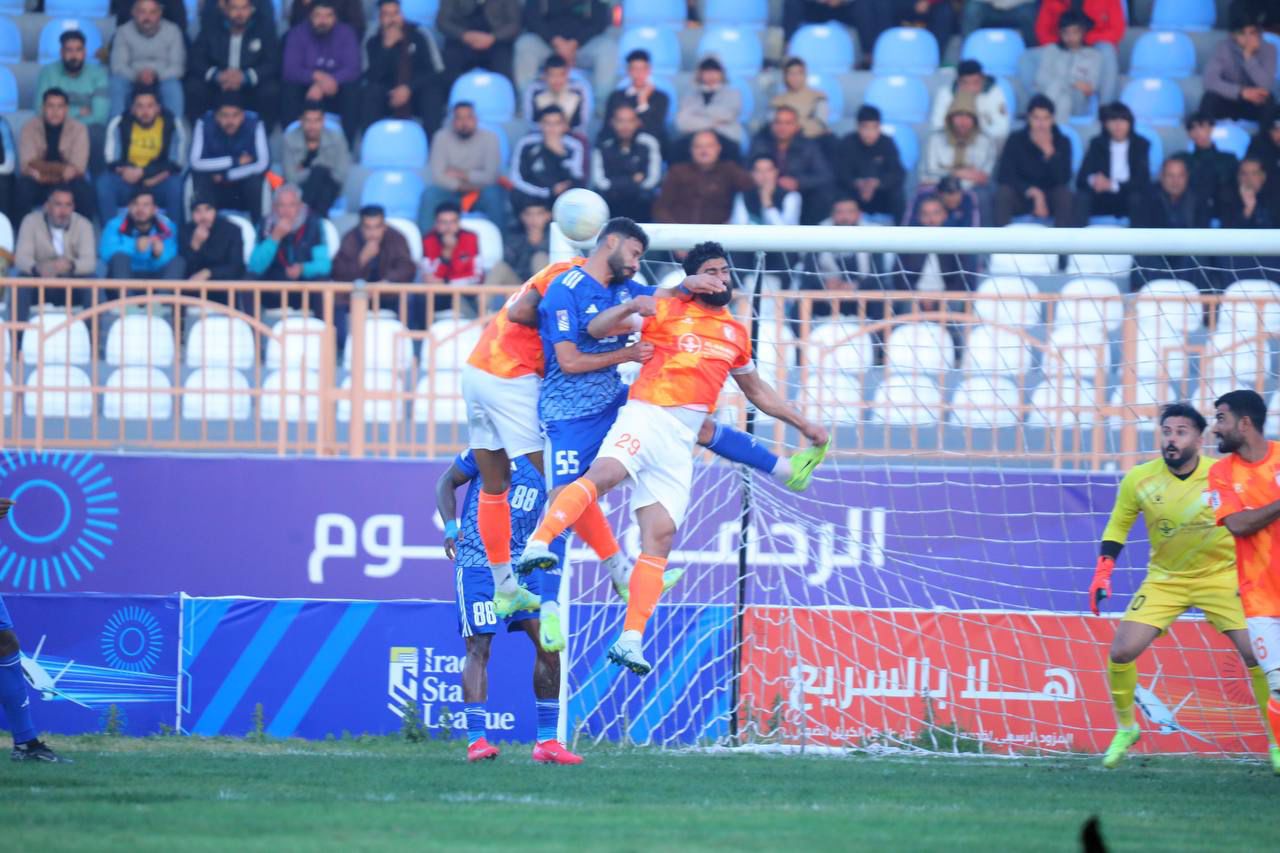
618 269
1176 462
1229 443
717 300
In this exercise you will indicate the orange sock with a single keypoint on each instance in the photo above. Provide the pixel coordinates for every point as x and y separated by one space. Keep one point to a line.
646 589
593 528
568 506
493 517
1273 717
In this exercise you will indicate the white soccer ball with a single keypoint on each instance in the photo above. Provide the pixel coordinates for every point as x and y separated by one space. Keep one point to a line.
580 214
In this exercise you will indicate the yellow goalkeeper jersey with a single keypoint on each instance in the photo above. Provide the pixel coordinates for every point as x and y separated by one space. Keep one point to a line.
1186 541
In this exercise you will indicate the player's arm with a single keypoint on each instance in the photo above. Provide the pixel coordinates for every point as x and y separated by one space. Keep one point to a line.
621 319
447 504
573 360
764 397
524 310
691 285
1246 522
1230 512
1124 513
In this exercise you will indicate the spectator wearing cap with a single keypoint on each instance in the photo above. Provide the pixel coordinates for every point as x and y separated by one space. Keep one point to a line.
466 162
809 104
211 246
148 51
235 52
322 64
868 17
712 104
290 248
141 242
547 161
1034 175
701 192
404 76
53 150
1211 172
229 156
316 158
1017 15
802 166
988 101
1070 71
479 34
556 88
1240 74
1106 20
573 30
54 242
145 148
650 103
84 82
626 166
1265 146
1116 166
869 168
961 149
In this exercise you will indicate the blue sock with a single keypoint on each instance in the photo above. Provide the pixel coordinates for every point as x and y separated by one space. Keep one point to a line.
14 699
551 580
475 722
737 446
548 718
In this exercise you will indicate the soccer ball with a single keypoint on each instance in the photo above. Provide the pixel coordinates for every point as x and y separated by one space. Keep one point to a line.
580 214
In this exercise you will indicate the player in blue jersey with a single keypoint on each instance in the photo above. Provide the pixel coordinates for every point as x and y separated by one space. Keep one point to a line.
582 393
13 687
477 616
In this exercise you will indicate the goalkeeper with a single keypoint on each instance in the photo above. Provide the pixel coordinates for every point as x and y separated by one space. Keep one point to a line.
1192 564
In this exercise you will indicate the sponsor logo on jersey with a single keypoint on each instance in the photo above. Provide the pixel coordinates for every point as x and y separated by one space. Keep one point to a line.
690 343
562 321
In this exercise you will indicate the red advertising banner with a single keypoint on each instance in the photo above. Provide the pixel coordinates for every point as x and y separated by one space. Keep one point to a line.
1007 682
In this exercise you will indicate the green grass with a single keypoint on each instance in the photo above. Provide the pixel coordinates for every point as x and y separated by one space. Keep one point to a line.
184 794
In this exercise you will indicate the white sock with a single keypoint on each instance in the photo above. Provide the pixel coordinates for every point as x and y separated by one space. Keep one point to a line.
503 579
619 568
632 637
550 608
782 471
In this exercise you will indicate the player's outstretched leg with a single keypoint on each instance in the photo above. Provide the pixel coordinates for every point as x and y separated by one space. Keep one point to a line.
547 748
1132 638
15 700
493 518
567 508
657 531
737 446
475 692
551 637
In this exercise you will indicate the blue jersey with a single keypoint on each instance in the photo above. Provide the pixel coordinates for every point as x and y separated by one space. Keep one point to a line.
527 496
570 303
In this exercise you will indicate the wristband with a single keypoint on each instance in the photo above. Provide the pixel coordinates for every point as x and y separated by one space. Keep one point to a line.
451 529
683 293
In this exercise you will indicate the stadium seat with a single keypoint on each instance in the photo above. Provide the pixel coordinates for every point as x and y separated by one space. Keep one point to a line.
63 392
1170 54
739 51
1150 134
986 402
248 234
839 346
449 343
905 50
997 351
997 49
901 99
1171 304
296 390
1099 265
1251 305
137 394
912 400
489 237
1075 355
399 192
1230 137
775 354
439 398
1077 146
216 394
1154 101
662 44
1188 15
8 92
49 47
830 85
834 397
924 347
1093 305
77 8
1063 406
748 109
740 13
55 340
295 344
394 144
220 341
140 340
1003 263
6 243
13 7
421 12
376 411
412 235
904 136
493 96
387 346
655 13
825 48
1234 361
10 43
1013 301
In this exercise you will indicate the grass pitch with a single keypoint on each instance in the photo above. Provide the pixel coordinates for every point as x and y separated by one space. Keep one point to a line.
184 794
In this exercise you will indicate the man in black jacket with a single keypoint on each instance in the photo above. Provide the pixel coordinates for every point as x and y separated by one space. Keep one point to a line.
547 162
803 166
1116 167
1172 203
237 52
870 169
404 77
569 29
1212 172
1034 175
1265 146
212 247
141 153
626 167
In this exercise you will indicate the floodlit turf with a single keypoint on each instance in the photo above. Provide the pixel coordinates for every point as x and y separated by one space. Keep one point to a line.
190 794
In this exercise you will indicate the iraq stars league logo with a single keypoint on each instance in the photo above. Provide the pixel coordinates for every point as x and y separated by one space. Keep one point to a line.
64 520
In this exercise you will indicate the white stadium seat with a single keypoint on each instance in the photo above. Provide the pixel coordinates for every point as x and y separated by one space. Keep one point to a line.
295 344
248 235
986 402
1251 305
142 340
61 342
137 393
919 348
412 235
1171 303
384 411
839 345
219 341
833 397
996 350
1012 301
1075 357
386 345
65 392
1234 361
450 342
1008 264
440 396
216 394
1072 405
908 401
1105 265
297 390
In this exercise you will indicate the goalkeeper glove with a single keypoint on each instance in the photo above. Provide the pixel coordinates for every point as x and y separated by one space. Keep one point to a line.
1101 586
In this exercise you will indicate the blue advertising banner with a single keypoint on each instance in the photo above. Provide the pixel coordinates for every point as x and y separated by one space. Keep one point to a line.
84 654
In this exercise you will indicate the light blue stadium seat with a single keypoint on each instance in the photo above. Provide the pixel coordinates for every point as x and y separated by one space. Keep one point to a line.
748 98
398 192
825 48
904 136
12 7
905 50
421 12
998 50
394 144
50 49
662 44
504 144
1169 54
752 14
901 99
492 94
1191 15
1149 133
830 85
77 8
739 51
1077 146
1229 137
1154 101
654 13
8 91
1274 39
10 42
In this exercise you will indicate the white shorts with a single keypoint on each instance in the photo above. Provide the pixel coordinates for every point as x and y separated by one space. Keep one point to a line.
656 448
1264 637
502 414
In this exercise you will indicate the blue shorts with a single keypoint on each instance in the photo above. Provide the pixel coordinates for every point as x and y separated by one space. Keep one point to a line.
572 445
6 621
474 595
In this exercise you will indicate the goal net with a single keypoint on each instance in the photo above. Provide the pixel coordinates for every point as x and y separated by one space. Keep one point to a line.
987 389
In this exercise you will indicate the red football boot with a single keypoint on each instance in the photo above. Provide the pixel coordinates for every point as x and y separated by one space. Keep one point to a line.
481 750
554 752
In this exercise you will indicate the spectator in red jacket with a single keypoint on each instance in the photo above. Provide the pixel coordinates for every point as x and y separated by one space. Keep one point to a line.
1107 17
450 255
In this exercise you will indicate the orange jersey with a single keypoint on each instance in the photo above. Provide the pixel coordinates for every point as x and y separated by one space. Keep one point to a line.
695 348
507 349
1235 486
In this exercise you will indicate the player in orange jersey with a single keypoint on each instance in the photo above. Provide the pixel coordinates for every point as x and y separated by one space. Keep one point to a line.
697 345
1244 490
